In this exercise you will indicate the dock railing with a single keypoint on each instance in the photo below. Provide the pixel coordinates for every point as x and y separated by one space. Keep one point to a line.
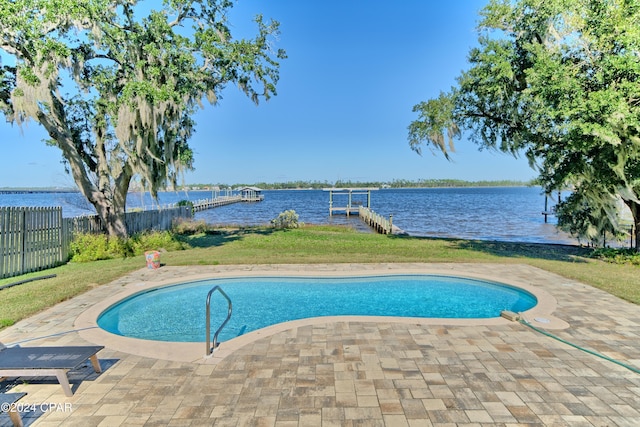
204 204
376 221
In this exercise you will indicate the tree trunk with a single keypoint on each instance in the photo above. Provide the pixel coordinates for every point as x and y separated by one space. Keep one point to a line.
110 203
110 212
635 212
112 221
116 225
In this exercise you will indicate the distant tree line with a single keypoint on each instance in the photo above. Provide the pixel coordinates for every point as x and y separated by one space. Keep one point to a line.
316 185
428 183
396 183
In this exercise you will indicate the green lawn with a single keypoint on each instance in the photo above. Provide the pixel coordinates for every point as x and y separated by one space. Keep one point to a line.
317 244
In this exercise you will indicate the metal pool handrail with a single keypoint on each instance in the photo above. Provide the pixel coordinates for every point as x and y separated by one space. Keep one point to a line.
215 336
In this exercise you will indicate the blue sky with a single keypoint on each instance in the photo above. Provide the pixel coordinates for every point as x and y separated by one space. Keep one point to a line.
354 71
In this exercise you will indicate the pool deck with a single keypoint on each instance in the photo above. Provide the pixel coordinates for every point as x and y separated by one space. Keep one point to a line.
354 371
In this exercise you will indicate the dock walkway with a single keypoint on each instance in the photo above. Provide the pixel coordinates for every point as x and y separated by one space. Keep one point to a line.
376 221
352 206
362 208
204 204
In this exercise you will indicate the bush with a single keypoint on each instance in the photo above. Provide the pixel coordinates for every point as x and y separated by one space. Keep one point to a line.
186 203
155 240
287 219
617 255
94 247
189 227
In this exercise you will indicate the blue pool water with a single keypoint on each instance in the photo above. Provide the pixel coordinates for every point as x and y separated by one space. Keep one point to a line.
177 313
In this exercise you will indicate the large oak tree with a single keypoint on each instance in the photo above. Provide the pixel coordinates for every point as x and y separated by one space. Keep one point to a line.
557 81
115 84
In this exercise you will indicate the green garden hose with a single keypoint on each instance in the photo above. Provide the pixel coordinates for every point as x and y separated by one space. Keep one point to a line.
586 350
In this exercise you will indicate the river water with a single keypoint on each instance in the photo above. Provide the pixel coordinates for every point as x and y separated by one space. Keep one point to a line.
486 213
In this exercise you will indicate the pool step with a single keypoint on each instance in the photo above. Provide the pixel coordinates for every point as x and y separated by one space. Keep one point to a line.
510 315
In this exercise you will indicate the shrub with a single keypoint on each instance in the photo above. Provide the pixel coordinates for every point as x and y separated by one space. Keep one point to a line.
190 227
617 255
155 240
93 247
186 203
287 219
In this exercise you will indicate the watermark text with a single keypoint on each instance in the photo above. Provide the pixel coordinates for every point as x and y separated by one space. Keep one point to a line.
24 407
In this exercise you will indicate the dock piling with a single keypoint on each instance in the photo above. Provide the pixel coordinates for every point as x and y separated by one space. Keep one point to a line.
376 221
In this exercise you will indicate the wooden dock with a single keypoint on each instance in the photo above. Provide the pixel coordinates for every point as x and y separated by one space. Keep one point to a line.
376 221
379 223
549 211
361 207
201 205
351 204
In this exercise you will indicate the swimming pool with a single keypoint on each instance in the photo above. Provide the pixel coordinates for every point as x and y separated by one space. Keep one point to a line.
177 313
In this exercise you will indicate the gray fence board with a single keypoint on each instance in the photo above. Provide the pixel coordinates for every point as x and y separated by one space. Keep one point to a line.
33 239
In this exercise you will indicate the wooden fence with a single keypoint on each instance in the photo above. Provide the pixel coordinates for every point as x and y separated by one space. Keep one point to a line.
33 239
30 239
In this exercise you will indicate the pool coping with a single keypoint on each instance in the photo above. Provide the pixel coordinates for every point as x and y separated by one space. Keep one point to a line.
542 315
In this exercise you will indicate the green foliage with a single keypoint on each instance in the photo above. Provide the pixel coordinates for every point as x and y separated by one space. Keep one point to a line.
6 322
155 240
185 203
286 220
556 81
87 247
396 183
434 122
188 203
116 84
617 255
190 227
593 219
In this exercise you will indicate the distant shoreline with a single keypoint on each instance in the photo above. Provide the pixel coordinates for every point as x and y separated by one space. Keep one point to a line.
72 190
300 185
45 191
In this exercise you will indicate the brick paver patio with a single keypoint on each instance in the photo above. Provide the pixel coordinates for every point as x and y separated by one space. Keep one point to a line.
352 371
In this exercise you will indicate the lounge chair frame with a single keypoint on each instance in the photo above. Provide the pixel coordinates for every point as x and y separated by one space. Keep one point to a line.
10 399
47 361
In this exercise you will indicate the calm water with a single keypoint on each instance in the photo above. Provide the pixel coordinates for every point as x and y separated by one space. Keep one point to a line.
175 313
493 213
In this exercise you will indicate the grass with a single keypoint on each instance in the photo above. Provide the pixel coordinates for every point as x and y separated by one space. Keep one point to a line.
317 244
22 301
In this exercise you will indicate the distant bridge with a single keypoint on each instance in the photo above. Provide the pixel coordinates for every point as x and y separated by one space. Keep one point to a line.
36 190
